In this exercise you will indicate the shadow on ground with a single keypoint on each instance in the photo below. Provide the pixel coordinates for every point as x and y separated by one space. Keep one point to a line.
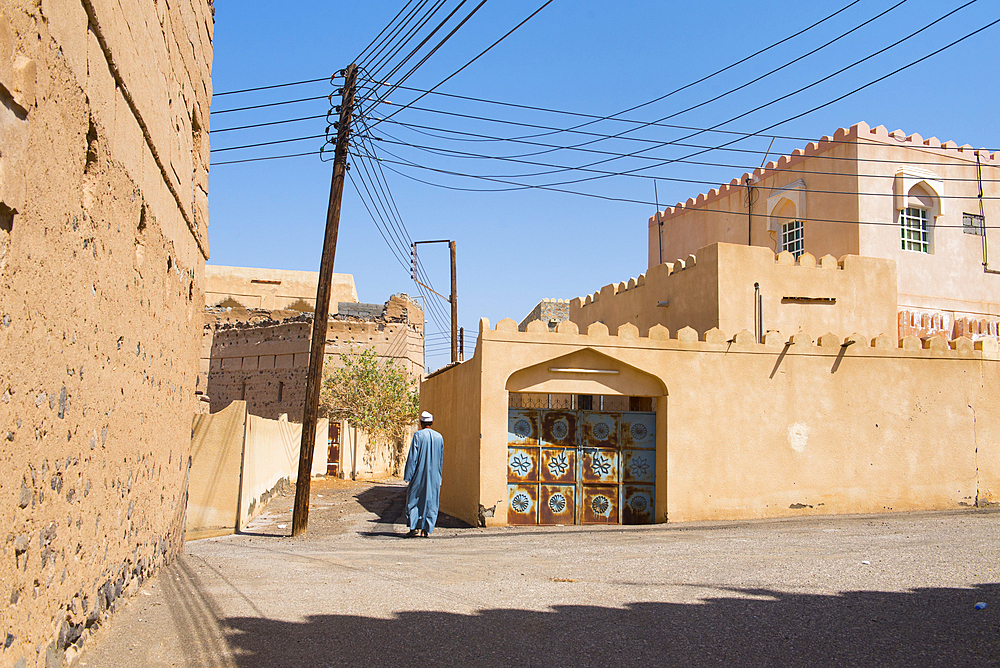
388 502
927 627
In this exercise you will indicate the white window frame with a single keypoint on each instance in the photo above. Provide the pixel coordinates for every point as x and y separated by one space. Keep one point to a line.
915 229
792 238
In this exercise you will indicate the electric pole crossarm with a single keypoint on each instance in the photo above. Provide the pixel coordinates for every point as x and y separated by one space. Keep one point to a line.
317 350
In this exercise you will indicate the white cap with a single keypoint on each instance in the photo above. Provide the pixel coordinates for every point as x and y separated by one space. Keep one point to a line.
426 417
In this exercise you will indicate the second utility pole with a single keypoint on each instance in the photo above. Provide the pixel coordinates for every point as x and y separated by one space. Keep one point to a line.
454 306
317 349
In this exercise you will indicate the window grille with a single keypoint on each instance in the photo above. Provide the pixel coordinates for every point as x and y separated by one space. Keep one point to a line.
792 238
973 224
914 231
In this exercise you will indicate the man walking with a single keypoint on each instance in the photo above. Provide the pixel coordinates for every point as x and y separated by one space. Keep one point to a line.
423 472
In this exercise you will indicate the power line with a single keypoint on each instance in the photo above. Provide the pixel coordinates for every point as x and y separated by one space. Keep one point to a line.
477 57
261 125
270 104
272 86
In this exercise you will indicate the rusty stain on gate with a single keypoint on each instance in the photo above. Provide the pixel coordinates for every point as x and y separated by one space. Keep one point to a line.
580 466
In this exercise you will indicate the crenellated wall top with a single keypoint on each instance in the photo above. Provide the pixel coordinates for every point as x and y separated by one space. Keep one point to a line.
859 132
659 337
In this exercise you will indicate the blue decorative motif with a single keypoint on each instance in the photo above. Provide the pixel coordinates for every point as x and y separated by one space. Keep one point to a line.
560 430
557 502
601 504
559 464
639 432
638 466
639 503
522 428
520 463
600 465
520 502
601 431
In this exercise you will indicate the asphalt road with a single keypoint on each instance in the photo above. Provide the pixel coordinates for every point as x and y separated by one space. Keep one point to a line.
874 590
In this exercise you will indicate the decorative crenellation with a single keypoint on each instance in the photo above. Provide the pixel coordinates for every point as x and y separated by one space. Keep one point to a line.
859 131
665 269
714 339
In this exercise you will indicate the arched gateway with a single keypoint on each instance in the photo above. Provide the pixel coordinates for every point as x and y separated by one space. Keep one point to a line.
581 442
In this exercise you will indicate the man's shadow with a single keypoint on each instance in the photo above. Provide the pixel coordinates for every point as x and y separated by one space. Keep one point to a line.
388 503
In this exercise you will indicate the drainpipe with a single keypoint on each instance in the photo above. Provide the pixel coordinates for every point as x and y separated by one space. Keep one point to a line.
982 214
758 312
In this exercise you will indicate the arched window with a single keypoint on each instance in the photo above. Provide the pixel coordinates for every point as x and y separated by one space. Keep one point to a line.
918 202
786 211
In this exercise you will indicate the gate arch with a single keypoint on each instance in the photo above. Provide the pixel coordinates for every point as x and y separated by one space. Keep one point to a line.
576 460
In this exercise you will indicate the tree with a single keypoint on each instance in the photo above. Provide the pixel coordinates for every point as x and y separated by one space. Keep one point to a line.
373 395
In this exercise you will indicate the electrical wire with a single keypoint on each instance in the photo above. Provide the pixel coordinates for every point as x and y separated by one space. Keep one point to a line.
270 87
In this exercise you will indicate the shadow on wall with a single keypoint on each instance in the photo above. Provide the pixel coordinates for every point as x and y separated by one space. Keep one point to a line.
924 627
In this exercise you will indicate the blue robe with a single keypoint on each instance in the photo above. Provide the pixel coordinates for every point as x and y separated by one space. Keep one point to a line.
423 472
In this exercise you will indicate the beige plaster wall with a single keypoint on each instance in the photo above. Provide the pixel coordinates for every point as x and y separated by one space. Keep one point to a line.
272 288
213 506
239 461
715 288
104 156
454 397
797 427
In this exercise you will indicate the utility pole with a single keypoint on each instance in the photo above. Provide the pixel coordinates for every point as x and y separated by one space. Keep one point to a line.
453 299
317 350
461 344
454 306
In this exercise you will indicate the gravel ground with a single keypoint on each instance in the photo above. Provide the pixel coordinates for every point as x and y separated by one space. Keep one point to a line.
886 590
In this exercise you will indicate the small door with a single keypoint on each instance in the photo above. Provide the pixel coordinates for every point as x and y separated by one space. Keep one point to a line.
333 449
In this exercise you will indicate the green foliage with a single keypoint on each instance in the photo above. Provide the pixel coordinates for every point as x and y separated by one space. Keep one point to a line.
373 395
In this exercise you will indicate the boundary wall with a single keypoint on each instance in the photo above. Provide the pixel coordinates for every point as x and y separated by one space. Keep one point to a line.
716 288
238 462
791 426
104 157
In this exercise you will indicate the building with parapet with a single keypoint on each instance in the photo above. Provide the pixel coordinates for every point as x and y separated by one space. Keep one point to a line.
104 157
929 206
830 348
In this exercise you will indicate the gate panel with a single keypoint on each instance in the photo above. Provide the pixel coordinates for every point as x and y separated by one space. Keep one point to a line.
600 504
522 426
639 466
522 504
637 504
556 504
522 464
557 465
599 466
600 430
559 428
638 431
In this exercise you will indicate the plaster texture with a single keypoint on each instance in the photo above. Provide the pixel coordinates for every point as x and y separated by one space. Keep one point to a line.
104 155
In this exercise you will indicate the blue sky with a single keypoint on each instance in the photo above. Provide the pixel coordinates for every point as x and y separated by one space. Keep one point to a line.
589 57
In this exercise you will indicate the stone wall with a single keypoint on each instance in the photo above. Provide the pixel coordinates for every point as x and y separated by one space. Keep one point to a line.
104 159
549 311
272 288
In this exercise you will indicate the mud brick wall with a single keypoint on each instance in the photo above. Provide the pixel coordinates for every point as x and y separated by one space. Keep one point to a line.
266 365
104 155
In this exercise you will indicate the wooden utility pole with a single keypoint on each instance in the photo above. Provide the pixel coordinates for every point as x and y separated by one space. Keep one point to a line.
454 306
317 350
453 299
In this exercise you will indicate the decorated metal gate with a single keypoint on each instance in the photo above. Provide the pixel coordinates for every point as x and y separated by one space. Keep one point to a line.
580 466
